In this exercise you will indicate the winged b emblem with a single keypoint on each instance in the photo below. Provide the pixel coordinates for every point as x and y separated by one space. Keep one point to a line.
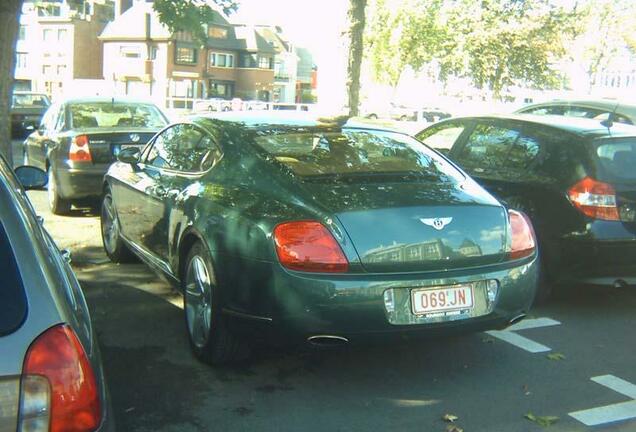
437 223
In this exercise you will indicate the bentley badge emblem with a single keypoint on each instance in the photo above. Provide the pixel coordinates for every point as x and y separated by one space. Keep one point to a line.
135 137
437 223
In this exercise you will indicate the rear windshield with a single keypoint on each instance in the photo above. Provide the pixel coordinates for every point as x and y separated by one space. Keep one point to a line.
30 101
354 152
13 305
118 114
617 160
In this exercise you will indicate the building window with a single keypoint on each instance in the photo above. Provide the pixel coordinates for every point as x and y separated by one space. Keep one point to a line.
22 33
220 89
153 53
47 35
130 51
185 55
47 69
249 60
61 69
265 63
61 35
217 32
221 60
21 60
184 36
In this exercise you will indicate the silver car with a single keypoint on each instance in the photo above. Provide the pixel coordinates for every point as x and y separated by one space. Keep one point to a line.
51 376
598 109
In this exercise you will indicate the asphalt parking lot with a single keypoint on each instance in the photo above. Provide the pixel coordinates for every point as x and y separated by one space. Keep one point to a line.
572 360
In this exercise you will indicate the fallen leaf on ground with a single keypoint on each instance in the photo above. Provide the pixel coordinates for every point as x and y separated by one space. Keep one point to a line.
454 428
556 356
544 421
449 418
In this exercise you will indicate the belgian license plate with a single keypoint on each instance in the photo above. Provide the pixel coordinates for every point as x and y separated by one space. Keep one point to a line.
442 299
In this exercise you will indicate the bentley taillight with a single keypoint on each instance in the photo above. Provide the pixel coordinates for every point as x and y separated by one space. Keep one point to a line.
309 246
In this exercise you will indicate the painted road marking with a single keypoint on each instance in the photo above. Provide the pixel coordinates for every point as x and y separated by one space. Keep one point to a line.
522 342
610 413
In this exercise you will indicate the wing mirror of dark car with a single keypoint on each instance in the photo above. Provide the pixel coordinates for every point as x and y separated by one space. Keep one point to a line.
31 177
129 155
443 151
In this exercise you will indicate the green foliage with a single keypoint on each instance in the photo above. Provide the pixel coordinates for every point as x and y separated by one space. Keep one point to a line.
495 43
191 15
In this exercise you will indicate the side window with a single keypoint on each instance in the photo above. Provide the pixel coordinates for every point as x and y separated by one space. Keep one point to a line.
49 117
442 137
487 147
61 119
162 153
213 153
548 110
188 154
183 147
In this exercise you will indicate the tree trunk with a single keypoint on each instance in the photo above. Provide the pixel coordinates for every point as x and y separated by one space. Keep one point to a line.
9 13
356 33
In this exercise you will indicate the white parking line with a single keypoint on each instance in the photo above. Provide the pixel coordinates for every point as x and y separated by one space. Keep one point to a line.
610 413
522 342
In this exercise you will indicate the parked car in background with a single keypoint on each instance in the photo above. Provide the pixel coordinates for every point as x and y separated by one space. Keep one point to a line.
432 114
212 104
27 109
599 109
51 376
78 139
574 178
254 105
391 111
293 230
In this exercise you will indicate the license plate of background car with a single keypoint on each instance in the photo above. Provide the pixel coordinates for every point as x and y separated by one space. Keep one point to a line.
441 300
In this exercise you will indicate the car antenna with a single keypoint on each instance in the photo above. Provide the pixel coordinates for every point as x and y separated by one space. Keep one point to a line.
610 118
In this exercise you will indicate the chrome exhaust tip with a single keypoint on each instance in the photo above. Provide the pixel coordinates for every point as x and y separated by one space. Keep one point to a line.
327 341
620 283
516 319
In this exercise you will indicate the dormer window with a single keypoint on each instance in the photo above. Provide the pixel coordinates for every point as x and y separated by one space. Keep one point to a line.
217 32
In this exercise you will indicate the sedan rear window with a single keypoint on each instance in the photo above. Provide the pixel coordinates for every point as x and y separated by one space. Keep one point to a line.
13 305
30 100
118 114
354 152
617 159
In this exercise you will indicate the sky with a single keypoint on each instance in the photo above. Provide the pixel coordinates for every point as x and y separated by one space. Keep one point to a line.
310 24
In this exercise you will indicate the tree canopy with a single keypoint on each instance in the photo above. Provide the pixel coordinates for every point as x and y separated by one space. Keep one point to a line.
191 15
494 43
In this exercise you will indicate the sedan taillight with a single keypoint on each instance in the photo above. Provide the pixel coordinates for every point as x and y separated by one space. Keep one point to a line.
594 199
59 388
522 235
79 150
309 246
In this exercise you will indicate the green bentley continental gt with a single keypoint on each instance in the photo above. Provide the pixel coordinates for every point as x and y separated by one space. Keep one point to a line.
288 229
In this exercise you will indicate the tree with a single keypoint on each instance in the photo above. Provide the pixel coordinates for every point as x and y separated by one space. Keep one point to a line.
494 43
9 12
191 15
403 34
357 22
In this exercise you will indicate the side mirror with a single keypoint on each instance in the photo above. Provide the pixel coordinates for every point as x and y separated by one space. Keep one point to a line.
129 155
31 177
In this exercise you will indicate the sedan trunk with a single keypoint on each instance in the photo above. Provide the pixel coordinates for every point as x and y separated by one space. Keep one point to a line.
105 146
400 227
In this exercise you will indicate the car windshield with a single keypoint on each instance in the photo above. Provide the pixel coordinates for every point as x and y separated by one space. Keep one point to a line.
354 152
30 100
118 114
617 160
